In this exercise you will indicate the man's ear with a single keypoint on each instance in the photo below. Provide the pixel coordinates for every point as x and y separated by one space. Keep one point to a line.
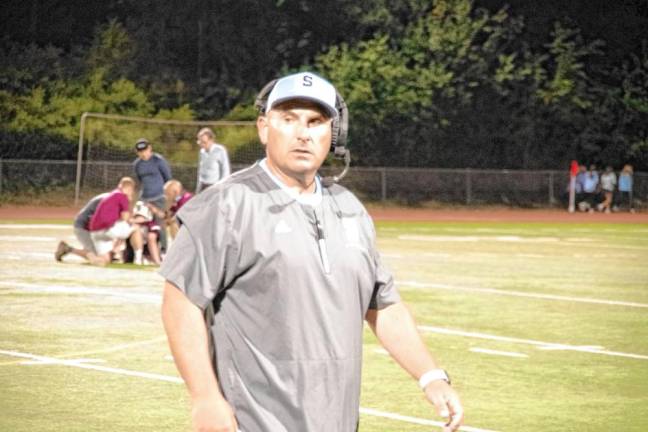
262 129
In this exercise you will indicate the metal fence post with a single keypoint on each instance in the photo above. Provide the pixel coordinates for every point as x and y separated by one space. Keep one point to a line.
383 184
105 174
552 199
468 186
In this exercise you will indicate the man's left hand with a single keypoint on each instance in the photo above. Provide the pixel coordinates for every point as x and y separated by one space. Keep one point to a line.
446 403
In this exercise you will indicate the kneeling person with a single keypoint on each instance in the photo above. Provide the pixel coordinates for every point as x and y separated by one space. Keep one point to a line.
109 225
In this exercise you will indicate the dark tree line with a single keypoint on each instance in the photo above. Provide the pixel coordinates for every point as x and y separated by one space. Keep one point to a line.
445 83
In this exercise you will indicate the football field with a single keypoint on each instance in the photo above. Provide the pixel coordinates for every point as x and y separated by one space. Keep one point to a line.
542 327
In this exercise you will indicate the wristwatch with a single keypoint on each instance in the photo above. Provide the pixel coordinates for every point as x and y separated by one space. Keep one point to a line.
433 375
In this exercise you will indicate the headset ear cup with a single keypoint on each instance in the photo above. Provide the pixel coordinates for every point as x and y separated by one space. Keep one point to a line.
335 133
340 124
262 98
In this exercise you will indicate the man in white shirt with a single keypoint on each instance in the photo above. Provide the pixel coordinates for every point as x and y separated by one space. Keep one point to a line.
213 163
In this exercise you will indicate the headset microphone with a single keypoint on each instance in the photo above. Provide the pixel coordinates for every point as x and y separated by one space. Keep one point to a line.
339 153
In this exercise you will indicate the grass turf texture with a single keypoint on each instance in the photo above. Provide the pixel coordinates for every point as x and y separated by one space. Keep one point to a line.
457 277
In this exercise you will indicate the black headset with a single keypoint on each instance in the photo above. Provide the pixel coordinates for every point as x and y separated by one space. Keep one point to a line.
340 127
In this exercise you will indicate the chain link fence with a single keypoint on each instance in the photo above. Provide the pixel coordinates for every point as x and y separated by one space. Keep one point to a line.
411 186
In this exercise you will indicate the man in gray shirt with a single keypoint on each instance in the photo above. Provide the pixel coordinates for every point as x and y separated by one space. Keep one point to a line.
81 221
285 270
213 164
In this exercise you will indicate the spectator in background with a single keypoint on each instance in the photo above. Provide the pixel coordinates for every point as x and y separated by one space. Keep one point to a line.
608 185
110 224
152 171
580 181
625 187
590 189
213 164
81 232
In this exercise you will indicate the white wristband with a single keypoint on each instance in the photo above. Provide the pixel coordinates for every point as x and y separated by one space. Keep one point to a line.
433 375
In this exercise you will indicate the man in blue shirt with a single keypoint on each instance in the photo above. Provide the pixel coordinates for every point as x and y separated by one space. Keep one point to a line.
151 172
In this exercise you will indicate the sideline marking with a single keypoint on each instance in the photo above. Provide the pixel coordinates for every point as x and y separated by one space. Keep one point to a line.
500 353
543 345
523 294
167 378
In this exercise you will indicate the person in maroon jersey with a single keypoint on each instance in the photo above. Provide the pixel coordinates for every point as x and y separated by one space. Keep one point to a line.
176 197
110 224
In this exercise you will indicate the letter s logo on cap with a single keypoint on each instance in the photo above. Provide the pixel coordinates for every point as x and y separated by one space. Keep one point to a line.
308 81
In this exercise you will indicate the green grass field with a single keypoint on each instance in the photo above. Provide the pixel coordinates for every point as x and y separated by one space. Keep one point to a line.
543 327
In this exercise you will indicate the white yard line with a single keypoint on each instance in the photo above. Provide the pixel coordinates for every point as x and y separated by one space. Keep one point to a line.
523 294
415 420
499 353
44 360
21 238
540 344
36 226
83 365
62 289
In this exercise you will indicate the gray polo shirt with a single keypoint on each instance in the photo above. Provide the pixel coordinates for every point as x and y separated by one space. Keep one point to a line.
289 309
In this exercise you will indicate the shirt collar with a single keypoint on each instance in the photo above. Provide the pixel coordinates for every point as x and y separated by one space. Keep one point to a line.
311 199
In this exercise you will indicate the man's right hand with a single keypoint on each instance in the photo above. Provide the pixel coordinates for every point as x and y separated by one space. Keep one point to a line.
213 415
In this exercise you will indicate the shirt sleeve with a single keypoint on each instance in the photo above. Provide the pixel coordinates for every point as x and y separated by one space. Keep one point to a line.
202 258
226 164
136 170
165 170
123 204
385 292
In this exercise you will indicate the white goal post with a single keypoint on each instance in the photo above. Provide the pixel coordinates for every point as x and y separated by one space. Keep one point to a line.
113 136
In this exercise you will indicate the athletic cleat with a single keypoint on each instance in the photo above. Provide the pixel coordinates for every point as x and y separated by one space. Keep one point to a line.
61 250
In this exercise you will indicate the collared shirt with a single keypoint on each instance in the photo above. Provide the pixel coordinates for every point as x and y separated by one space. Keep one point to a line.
213 165
287 333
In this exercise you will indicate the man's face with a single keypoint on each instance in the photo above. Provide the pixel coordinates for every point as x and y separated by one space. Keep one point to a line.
204 141
146 153
297 135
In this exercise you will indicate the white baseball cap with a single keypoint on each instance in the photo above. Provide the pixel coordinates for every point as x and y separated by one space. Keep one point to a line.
304 85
